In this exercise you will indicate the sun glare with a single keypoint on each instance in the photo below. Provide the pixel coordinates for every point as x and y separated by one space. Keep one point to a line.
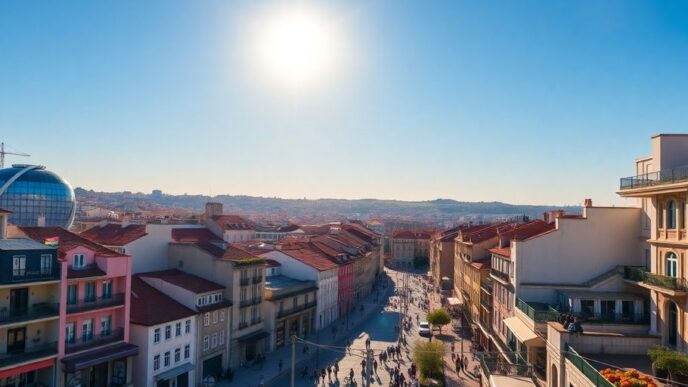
297 46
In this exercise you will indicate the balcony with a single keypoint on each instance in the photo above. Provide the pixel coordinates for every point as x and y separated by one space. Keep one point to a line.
256 321
244 281
493 364
243 324
537 311
87 342
668 285
299 308
30 354
34 312
665 176
486 302
589 371
98 303
258 279
500 275
486 286
249 302
614 318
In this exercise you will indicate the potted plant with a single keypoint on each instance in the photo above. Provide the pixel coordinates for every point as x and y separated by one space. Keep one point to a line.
655 353
676 365
627 377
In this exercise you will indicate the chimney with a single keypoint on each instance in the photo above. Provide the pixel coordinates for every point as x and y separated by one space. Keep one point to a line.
3 224
41 221
587 203
213 209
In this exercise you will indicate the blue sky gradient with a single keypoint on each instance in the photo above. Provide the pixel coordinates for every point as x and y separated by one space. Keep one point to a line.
518 101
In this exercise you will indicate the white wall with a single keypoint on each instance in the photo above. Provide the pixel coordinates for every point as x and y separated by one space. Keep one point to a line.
149 253
143 336
580 249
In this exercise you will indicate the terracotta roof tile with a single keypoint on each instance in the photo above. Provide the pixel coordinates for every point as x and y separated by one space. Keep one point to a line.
113 234
502 252
232 222
194 235
184 280
411 234
151 307
68 240
311 258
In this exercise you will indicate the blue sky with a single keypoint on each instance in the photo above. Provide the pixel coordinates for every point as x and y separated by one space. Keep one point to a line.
518 101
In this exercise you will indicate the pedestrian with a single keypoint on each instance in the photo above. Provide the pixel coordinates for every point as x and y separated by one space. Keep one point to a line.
367 342
375 366
322 375
336 369
279 365
465 362
329 373
351 375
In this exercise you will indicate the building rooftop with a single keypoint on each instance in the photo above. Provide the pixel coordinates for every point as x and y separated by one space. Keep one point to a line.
113 234
311 258
21 244
194 234
184 280
232 222
149 306
412 234
67 240
280 286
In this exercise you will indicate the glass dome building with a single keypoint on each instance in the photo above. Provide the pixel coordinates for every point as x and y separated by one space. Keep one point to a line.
31 191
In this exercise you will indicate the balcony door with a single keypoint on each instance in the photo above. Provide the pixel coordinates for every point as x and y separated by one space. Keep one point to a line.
19 301
16 340
672 324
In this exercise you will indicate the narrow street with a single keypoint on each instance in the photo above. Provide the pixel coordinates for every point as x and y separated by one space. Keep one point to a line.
380 327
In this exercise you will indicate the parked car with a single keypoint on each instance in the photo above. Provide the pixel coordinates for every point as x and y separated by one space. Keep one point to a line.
424 329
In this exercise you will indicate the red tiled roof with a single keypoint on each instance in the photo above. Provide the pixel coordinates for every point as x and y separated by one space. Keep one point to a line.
311 258
319 229
361 231
528 230
481 265
502 252
194 235
232 222
410 234
184 280
482 233
229 253
113 234
151 307
68 240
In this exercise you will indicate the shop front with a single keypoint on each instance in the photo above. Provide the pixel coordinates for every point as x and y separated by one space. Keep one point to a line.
176 377
102 367
32 374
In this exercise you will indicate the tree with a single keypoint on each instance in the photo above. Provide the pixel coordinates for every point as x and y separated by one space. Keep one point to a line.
428 357
439 317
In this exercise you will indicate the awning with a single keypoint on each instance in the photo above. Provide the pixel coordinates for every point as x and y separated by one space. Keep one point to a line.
254 336
100 355
26 368
453 301
520 330
174 372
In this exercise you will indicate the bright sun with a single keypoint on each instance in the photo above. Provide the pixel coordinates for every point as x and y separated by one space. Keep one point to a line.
297 46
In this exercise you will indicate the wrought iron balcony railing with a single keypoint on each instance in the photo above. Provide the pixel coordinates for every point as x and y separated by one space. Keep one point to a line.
639 274
665 176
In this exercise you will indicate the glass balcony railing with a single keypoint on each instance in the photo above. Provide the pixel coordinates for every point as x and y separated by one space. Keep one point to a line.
589 371
538 312
100 302
639 274
665 176
498 274
83 342
33 353
494 364
614 318
34 312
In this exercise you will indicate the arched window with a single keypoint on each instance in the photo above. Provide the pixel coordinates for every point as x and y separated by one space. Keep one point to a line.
671 265
672 323
660 215
671 214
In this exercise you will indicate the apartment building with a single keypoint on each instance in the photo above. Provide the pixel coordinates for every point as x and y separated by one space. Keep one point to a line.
165 332
442 257
290 306
407 245
213 316
231 228
29 310
94 291
271 233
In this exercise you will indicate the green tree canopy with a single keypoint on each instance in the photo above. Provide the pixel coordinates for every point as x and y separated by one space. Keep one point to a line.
428 357
439 317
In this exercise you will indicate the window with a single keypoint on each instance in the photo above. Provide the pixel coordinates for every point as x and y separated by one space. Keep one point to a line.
671 214
167 359
242 316
70 332
187 351
156 335
242 294
222 315
87 330
206 319
215 317
671 265
188 326
222 337
19 265
206 342
281 308
90 291
294 302
78 261
107 289
177 355
178 329
168 332
660 215
72 291
46 263
682 215
105 326
214 340
156 362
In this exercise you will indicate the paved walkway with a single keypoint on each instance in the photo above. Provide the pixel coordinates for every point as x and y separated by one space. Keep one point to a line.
273 375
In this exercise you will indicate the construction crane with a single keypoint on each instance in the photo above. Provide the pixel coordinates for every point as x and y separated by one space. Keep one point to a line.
3 153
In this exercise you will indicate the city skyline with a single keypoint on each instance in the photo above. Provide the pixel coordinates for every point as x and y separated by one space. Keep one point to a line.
535 103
